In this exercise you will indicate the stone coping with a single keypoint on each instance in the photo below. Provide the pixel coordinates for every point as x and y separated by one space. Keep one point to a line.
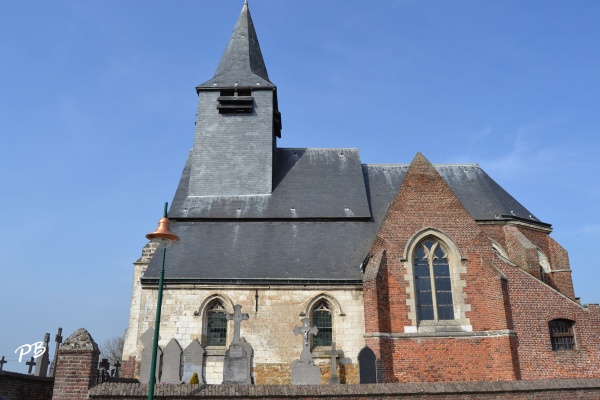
442 334
139 391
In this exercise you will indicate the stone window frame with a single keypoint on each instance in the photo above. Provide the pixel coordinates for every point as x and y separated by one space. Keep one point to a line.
204 310
457 265
335 309
323 306
562 341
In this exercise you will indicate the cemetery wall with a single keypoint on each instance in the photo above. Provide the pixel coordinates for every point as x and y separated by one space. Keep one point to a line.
582 389
15 386
269 329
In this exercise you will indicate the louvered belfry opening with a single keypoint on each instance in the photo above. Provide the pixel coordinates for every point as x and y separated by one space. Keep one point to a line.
235 101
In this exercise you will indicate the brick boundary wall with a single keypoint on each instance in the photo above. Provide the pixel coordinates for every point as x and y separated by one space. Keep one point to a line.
581 389
76 367
16 386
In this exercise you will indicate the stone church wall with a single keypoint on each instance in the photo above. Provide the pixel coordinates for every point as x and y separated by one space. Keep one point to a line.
269 329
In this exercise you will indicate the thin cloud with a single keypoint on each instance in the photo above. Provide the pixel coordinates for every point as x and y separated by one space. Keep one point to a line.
530 150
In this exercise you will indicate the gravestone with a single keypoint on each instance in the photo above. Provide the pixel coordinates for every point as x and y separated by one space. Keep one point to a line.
41 366
249 354
147 341
103 368
334 380
58 340
367 366
236 365
171 365
104 364
193 358
115 371
304 370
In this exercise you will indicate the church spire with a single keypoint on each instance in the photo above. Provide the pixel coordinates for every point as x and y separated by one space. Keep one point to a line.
242 63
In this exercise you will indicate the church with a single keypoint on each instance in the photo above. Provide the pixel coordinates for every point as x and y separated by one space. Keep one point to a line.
434 270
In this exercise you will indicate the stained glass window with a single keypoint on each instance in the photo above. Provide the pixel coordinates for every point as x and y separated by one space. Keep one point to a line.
321 318
216 325
433 285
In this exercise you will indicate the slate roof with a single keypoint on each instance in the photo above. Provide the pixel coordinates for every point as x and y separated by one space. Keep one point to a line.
242 63
265 243
319 222
308 183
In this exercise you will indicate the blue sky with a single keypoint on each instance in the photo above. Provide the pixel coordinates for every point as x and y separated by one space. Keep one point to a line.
97 109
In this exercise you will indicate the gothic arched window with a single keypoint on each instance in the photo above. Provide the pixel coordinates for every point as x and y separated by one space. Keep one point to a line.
433 285
321 318
216 324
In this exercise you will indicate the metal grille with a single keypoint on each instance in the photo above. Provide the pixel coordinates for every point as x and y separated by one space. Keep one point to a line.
561 334
216 322
321 318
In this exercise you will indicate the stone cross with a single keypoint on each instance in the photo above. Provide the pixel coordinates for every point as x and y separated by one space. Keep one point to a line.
237 318
31 364
2 362
334 380
58 339
116 370
306 330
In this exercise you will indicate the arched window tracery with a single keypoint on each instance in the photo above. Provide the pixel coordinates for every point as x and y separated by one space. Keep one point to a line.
432 280
321 318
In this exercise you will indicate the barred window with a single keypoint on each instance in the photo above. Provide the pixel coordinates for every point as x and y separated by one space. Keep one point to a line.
433 286
321 318
216 325
562 334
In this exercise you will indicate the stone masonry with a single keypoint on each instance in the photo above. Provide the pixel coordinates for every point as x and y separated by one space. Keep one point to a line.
269 330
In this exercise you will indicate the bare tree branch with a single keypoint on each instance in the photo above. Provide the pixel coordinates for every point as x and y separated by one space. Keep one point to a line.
112 349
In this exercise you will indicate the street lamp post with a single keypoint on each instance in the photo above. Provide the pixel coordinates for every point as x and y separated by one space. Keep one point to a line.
164 236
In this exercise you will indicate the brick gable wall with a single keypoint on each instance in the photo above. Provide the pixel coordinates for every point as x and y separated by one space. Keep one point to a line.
507 307
424 201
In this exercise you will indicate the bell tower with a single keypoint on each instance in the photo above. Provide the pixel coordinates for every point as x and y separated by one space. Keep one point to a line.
237 122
